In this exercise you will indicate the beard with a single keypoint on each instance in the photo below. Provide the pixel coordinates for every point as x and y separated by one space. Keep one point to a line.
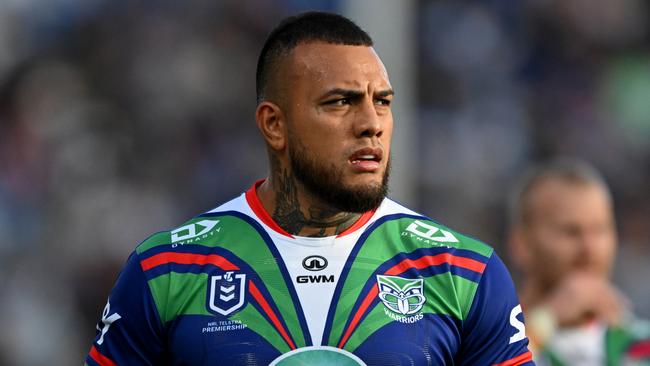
326 183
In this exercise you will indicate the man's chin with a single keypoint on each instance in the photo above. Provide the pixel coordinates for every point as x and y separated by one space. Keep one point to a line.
359 198
362 185
339 188
364 182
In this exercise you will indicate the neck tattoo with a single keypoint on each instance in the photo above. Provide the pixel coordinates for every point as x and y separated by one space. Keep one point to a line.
320 222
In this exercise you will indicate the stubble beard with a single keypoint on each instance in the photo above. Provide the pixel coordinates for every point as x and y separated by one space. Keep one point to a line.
326 183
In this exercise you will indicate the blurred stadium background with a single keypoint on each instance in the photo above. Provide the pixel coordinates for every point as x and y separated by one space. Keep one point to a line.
122 118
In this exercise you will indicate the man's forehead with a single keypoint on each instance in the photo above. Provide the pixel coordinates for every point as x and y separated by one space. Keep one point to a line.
561 188
342 62
564 198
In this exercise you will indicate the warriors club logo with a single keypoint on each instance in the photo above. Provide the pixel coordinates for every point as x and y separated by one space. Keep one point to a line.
402 296
226 293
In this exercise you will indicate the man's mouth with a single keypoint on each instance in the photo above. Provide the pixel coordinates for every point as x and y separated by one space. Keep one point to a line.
367 159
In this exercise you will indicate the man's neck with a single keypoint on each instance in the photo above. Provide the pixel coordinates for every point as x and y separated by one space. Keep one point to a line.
295 211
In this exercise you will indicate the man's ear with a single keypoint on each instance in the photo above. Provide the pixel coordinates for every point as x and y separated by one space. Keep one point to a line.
517 247
272 124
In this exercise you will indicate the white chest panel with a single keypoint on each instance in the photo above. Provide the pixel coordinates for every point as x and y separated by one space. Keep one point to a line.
315 279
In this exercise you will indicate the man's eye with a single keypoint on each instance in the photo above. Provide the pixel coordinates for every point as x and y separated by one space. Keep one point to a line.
342 101
385 102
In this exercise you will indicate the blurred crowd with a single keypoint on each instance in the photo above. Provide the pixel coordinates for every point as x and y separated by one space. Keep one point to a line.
122 118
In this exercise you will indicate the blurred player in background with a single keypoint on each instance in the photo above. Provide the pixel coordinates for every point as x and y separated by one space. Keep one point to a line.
314 265
563 241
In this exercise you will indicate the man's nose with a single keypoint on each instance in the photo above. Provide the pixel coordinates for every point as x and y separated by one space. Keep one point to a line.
367 122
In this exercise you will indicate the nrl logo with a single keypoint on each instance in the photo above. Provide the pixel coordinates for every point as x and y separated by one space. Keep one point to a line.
401 295
226 293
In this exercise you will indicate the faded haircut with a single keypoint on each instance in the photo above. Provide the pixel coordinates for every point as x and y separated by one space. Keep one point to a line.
307 27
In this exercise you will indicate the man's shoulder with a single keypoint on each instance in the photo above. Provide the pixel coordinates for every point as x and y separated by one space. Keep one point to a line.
638 347
196 229
635 328
421 231
411 244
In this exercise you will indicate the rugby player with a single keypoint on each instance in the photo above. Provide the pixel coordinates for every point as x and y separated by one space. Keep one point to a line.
314 265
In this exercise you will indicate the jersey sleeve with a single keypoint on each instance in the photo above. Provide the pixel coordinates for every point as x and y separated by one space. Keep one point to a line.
130 331
494 332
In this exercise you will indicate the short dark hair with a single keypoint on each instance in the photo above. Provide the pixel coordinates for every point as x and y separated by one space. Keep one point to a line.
311 26
566 169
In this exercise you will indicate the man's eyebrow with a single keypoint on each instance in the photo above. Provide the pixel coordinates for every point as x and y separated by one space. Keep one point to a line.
385 93
351 93
346 93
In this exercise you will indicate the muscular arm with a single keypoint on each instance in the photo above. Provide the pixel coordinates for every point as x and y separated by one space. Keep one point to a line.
494 332
130 331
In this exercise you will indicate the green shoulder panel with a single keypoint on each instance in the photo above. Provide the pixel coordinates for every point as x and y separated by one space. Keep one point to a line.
194 231
428 233
178 294
161 238
447 293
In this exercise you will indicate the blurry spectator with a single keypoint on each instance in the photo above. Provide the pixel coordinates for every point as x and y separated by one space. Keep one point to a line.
563 240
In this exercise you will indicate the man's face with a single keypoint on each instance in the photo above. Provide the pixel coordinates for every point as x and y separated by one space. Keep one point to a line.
570 228
339 123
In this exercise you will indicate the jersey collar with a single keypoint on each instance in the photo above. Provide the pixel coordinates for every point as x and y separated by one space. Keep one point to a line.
256 205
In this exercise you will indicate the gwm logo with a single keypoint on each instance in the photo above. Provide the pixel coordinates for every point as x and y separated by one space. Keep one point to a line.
402 296
226 293
315 279
314 263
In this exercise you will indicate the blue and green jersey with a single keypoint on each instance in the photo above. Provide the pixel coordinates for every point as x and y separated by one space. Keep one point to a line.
230 287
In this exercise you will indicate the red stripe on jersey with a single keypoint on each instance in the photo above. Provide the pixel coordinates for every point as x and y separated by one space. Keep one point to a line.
357 316
434 260
360 222
99 358
519 360
259 210
187 258
403 266
257 295
639 350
